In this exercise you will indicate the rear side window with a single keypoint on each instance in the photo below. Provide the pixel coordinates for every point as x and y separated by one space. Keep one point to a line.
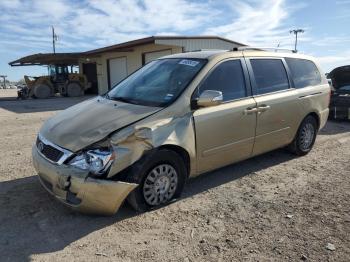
304 72
270 75
228 78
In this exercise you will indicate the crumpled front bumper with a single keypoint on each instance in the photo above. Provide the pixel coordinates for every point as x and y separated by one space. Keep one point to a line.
75 189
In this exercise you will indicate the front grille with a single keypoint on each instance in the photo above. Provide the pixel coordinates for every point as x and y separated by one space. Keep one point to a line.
48 151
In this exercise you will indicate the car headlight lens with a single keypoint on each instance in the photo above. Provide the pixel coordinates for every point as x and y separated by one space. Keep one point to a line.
97 161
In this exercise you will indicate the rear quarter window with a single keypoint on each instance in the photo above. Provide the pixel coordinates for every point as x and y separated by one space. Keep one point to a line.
304 72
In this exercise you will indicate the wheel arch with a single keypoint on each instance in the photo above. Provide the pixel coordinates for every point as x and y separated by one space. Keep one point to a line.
314 115
293 146
181 152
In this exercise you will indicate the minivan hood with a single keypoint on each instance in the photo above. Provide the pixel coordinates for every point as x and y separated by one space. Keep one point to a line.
340 76
90 121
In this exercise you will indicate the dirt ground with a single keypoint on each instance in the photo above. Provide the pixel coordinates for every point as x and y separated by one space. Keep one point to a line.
275 207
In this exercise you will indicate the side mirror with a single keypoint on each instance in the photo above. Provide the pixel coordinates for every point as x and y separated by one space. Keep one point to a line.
210 98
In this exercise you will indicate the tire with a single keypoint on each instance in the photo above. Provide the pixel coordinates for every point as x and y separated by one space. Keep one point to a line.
305 137
168 172
74 89
42 91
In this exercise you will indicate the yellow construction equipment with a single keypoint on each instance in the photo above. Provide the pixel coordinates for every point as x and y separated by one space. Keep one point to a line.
59 80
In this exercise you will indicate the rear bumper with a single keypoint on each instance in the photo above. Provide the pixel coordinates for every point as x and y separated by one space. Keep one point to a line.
323 117
74 188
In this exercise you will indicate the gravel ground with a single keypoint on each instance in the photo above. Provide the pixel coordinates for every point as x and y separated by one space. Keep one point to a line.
8 94
274 207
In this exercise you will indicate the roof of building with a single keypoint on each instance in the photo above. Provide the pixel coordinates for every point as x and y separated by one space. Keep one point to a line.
48 59
73 58
150 40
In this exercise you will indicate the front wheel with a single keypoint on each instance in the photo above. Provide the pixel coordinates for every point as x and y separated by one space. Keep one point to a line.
305 137
42 91
161 178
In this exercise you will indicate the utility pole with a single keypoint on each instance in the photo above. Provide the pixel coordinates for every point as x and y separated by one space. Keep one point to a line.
4 78
54 40
296 32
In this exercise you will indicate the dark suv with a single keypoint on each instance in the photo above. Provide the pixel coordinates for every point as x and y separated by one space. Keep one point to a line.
340 97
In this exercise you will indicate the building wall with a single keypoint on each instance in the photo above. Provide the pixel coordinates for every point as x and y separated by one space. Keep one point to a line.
134 61
134 58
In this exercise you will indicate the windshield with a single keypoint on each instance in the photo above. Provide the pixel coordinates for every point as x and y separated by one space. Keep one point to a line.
52 70
158 83
57 69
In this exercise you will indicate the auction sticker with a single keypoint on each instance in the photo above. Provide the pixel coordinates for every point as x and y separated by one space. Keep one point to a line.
188 62
168 97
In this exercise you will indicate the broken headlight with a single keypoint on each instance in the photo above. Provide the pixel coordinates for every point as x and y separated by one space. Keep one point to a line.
97 161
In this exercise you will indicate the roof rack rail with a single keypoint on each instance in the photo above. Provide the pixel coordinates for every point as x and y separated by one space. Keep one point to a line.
253 48
208 49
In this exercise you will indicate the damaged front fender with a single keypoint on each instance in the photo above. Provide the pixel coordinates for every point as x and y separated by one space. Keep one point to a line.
131 143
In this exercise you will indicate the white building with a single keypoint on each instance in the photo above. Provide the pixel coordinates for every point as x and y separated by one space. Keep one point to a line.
105 67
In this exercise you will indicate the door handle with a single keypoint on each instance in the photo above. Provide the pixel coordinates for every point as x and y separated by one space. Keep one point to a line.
263 108
250 110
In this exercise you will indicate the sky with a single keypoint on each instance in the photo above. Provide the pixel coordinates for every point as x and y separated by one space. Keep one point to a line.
25 25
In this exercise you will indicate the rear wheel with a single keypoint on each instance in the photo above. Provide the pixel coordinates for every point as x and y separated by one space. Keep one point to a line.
42 91
305 137
74 89
161 178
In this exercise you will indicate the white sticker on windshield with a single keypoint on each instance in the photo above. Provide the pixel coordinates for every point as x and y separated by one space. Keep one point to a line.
168 96
188 62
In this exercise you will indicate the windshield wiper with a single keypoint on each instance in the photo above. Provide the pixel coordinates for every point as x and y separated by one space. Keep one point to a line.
134 101
123 99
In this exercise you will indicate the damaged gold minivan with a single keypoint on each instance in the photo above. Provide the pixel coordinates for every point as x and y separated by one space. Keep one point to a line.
175 118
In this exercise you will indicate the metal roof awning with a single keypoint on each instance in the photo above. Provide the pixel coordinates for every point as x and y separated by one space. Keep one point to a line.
73 58
49 59
55 58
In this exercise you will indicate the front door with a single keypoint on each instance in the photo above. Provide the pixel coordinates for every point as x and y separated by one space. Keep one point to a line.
90 71
277 103
225 133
